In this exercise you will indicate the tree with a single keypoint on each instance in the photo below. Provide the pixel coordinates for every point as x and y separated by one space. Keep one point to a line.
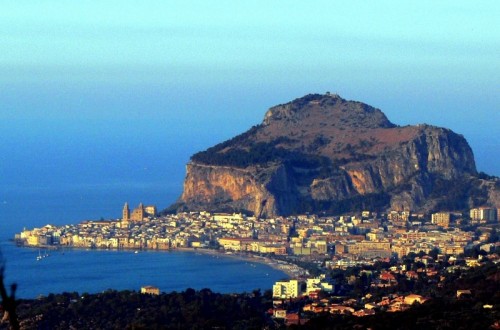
434 253
8 301
493 236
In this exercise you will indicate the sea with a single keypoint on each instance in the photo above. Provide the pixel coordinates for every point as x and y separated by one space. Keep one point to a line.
70 154
26 206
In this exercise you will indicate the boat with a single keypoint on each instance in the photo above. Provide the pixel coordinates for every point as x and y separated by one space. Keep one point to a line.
41 256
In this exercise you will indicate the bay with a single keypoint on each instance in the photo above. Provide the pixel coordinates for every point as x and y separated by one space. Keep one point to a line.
92 271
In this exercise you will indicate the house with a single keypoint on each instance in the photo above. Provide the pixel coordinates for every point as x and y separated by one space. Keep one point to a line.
279 313
463 293
397 306
412 298
364 312
370 306
314 294
148 289
318 284
339 309
412 275
292 319
387 279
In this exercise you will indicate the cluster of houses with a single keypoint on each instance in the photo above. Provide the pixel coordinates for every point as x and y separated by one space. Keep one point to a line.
297 299
365 235
336 241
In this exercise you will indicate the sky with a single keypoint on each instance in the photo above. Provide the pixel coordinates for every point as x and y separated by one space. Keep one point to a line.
122 89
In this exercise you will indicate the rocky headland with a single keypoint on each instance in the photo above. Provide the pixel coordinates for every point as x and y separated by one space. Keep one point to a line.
322 153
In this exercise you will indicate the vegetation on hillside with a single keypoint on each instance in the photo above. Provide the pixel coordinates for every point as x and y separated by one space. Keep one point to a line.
375 202
249 153
459 194
205 309
189 309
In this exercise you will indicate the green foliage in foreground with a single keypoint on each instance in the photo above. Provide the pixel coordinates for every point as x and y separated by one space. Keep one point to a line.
205 309
189 309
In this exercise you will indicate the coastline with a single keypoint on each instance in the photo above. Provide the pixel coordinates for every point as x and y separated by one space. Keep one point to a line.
289 269
94 271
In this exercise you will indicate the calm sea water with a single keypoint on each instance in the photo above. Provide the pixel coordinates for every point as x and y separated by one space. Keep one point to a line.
73 166
94 271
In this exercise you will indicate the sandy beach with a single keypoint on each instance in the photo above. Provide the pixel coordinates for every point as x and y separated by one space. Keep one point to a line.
291 270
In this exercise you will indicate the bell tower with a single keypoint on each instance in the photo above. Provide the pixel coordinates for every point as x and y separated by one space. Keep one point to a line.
126 212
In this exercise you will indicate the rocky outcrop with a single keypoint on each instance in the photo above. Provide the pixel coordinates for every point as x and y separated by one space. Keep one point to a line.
323 153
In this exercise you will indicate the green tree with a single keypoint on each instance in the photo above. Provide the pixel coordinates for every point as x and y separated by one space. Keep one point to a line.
8 301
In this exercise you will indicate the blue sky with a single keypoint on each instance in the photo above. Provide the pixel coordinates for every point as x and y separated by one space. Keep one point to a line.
170 78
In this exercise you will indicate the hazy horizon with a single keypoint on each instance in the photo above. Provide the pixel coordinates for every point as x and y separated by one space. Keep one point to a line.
120 93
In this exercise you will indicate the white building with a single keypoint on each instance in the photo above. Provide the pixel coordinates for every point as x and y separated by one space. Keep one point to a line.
288 289
318 283
483 214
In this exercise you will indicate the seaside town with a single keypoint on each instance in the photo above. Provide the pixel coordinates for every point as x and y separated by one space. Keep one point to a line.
332 261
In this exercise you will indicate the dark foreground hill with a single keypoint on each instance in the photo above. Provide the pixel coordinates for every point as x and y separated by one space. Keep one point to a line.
322 153
205 309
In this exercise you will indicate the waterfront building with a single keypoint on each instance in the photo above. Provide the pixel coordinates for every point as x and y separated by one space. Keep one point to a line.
236 244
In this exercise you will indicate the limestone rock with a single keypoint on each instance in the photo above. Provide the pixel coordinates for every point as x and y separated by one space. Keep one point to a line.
321 153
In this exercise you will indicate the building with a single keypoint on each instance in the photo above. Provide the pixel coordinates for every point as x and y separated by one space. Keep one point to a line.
288 289
279 313
126 212
483 214
441 219
148 289
413 298
370 249
399 218
318 283
225 217
150 210
137 214
236 244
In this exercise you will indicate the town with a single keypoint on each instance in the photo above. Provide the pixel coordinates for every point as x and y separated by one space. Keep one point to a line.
337 262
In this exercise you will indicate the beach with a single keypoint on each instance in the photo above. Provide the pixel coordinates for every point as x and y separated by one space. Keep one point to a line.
291 270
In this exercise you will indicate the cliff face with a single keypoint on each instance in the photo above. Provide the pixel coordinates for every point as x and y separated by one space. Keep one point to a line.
323 153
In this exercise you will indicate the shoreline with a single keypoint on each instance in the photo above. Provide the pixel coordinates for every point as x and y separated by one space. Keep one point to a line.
289 269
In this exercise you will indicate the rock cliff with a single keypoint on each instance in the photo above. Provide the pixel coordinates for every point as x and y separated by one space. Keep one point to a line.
322 153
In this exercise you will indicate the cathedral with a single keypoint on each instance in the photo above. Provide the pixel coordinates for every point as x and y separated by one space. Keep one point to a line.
140 213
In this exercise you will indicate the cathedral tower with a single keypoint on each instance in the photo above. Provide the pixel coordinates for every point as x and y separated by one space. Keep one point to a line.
126 212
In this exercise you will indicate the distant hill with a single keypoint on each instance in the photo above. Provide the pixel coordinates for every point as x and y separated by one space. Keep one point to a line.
322 153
